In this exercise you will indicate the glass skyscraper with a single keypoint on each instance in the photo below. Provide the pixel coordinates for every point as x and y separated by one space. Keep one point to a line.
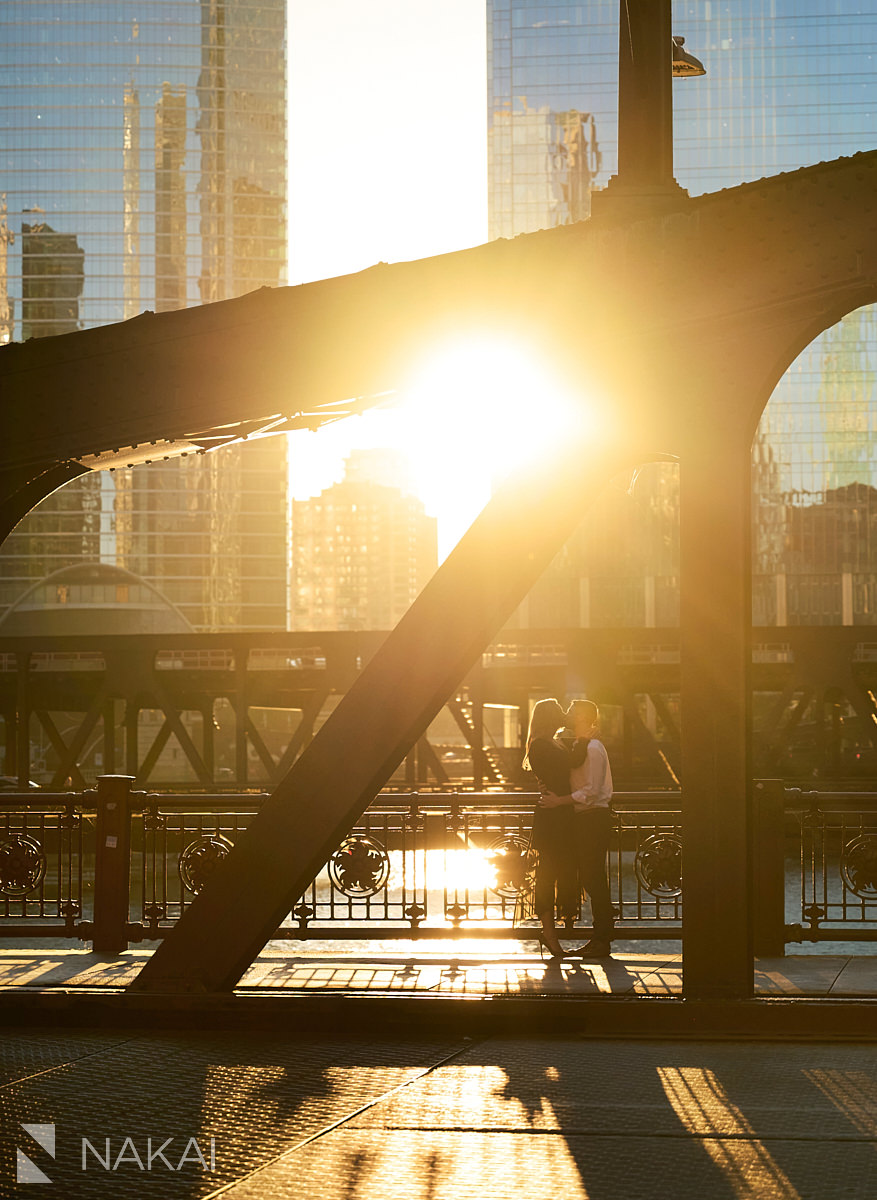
143 167
789 83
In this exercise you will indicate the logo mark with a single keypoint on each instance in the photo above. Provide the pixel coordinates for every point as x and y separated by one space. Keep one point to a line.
26 1171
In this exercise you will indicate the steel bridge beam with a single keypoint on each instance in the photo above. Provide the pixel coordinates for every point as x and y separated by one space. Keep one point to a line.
386 711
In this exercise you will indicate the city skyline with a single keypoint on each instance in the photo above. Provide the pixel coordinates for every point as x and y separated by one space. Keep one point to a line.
444 477
144 168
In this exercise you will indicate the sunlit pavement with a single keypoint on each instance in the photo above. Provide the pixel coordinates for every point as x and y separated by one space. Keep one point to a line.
263 1115
470 968
267 1103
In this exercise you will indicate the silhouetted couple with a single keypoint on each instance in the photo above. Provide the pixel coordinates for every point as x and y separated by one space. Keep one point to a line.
572 822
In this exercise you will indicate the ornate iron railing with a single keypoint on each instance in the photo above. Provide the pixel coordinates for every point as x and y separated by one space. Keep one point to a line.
838 865
412 866
114 865
41 866
176 843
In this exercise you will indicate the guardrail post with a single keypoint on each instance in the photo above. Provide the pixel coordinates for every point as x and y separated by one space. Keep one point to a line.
769 868
112 863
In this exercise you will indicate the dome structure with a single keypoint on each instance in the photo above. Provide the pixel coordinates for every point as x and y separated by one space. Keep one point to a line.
92 598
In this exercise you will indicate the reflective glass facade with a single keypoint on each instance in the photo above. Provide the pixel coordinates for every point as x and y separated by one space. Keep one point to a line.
789 83
143 167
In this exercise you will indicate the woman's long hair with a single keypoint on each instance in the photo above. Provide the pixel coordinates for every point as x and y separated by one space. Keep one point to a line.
545 720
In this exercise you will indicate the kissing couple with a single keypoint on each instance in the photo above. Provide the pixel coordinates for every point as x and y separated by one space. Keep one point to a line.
572 822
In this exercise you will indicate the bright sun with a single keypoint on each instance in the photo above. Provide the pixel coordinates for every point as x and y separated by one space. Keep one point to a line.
476 413
473 413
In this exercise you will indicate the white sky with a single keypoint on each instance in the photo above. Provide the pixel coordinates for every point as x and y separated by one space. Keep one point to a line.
387 146
387 131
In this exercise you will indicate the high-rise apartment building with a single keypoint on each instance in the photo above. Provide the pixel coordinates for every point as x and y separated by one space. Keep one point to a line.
361 551
143 167
789 83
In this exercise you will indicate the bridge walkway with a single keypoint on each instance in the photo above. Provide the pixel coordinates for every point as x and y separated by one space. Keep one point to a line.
473 968
258 1114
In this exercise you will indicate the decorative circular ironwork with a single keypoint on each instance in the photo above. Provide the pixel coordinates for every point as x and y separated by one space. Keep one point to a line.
360 867
22 866
858 866
658 865
514 860
201 858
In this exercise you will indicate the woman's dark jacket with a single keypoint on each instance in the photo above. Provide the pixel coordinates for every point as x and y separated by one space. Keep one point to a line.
550 763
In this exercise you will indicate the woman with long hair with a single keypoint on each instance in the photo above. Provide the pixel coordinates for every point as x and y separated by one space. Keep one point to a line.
590 803
557 887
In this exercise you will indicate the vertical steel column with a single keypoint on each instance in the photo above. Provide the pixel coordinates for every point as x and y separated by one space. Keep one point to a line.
208 741
769 867
715 635
109 740
132 737
112 863
645 94
479 758
10 731
241 741
411 775
21 766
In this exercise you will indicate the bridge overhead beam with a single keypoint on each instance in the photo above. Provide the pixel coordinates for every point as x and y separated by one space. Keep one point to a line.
295 357
23 487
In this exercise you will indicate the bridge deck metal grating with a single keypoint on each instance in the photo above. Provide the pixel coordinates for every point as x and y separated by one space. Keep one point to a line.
439 1118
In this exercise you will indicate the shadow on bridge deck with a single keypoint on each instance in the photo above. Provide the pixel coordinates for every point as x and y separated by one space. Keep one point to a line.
452 968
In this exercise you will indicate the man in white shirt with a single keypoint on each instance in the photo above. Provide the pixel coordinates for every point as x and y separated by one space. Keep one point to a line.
591 795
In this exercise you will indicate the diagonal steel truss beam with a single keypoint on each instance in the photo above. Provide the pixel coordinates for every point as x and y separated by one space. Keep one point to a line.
380 718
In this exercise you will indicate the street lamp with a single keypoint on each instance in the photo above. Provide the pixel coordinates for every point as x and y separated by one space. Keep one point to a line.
684 64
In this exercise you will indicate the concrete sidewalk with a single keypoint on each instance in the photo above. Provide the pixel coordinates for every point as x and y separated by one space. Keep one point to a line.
262 1115
473 988
452 968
